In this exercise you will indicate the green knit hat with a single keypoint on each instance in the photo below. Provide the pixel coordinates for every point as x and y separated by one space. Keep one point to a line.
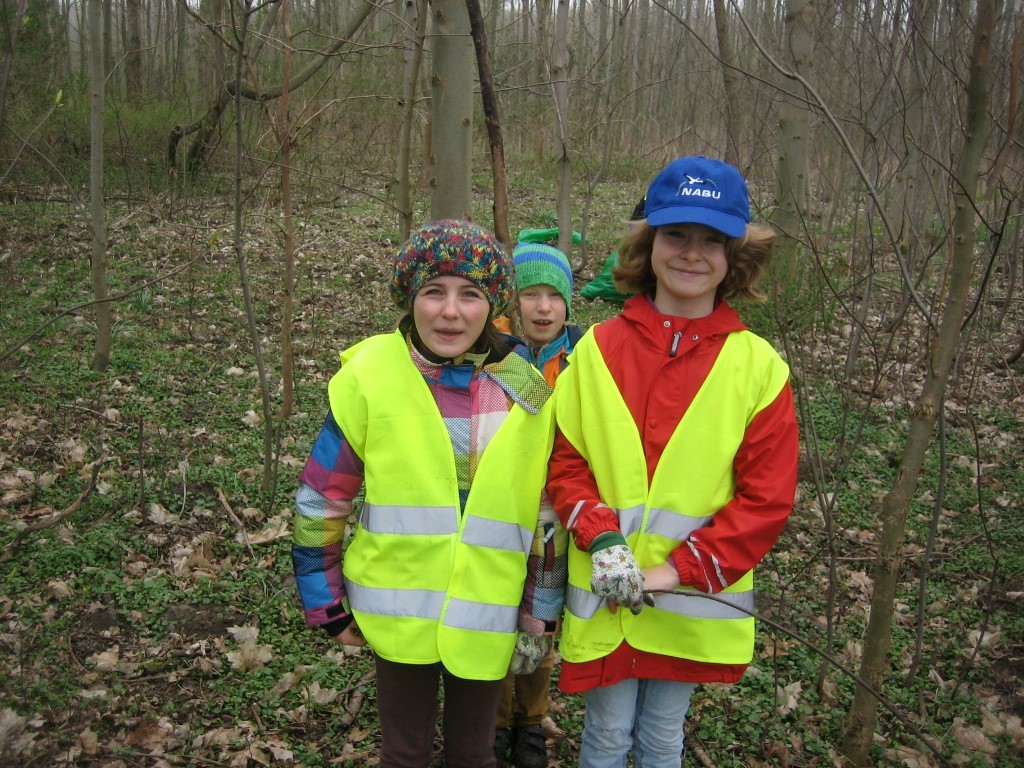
538 264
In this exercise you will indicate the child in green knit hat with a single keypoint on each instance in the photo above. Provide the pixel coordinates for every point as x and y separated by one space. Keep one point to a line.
544 284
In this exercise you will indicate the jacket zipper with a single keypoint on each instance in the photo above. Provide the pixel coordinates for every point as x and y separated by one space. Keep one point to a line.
675 343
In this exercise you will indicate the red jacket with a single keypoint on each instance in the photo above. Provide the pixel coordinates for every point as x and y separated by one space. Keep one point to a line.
658 386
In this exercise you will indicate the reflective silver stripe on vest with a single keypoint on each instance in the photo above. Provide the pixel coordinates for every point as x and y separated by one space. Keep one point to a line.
630 519
415 520
701 608
584 604
663 522
485 617
496 534
419 603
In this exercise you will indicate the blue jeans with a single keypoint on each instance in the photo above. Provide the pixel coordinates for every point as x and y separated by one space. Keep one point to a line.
643 715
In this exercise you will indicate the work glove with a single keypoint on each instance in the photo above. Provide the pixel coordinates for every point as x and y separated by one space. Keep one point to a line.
529 653
615 575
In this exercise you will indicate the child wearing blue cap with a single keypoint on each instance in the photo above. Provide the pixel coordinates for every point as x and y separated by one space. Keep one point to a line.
674 469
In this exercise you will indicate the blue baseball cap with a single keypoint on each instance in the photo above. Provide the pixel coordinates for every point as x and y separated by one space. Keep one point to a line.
699 190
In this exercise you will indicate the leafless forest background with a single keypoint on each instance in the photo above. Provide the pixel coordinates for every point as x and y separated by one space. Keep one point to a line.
197 203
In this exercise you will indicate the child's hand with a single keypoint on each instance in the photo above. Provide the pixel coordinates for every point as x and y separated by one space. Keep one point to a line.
529 652
351 635
661 578
616 577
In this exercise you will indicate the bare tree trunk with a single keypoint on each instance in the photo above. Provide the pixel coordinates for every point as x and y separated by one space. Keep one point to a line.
543 18
560 86
609 42
108 40
493 122
241 29
285 135
414 57
730 84
58 26
895 508
97 78
794 140
15 25
133 51
452 112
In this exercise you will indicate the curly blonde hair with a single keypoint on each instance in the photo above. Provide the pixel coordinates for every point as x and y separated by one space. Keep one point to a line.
747 256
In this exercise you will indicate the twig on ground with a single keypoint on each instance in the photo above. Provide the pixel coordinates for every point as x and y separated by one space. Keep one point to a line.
234 519
355 701
698 752
52 520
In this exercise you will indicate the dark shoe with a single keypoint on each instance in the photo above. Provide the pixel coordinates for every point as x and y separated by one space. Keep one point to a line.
530 750
502 741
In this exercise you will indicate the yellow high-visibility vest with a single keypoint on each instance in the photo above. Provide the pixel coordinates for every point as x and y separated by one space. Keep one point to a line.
425 583
693 480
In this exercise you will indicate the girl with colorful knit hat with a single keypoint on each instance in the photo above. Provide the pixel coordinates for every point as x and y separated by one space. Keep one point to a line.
674 469
447 431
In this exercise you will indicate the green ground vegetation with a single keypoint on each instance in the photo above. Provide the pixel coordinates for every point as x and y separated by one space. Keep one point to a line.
147 602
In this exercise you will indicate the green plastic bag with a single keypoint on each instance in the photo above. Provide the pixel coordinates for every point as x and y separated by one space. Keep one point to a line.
603 286
548 236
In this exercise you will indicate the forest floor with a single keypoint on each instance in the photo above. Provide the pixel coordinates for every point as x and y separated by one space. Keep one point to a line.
148 615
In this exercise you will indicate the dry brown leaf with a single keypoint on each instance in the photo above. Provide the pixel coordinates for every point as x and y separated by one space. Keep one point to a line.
58 589
551 729
971 737
276 528
106 661
321 696
161 515
281 752
787 698
88 742
909 758
777 646
12 726
250 654
149 736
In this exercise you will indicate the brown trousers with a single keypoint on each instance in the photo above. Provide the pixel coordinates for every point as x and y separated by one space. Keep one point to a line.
407 705
524 698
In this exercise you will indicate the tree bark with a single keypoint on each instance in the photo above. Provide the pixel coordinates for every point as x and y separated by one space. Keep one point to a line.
97 78
16 25
133 51
285 135
452 112
108 40
493 122
414 57
794 140
730 84
241 29
560 86
895 508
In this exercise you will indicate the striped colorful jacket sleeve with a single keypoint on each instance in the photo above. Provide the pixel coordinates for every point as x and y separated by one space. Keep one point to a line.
329 482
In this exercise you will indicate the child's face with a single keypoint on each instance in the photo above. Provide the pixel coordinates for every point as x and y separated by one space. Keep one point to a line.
450 315
689 263
543 312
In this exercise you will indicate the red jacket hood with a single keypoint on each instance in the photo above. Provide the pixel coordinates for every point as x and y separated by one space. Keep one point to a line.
657 329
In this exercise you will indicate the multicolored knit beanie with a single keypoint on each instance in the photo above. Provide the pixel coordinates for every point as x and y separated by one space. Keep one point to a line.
538 264
456 249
